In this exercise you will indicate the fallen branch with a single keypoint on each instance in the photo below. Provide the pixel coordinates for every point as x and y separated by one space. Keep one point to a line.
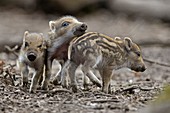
130 88
104 100
158 63
146 88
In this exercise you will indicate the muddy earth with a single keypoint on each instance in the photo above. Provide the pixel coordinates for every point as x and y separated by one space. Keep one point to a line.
131 91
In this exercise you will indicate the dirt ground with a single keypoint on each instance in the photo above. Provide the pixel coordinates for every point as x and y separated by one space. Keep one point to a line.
130 91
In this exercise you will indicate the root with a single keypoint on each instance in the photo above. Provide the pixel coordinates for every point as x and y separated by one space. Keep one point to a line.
158 63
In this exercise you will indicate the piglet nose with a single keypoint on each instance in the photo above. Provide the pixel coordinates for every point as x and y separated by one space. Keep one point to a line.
143 68
83 27
31 57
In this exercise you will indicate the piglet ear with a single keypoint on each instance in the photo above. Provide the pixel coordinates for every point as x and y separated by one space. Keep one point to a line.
25 34
128 43
52 25
44 46
117 38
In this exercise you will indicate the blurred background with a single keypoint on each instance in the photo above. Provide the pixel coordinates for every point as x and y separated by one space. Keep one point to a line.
147 22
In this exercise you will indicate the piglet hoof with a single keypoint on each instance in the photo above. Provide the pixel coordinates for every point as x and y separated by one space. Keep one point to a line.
65 84
56 81
87 87
24 84
105 91
110 90
74 88
99 84
44 87
31 90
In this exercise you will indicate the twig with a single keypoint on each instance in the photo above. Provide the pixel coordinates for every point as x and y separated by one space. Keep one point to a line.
62 102
130 88
11 72
158 63
104 100
103 94
60 90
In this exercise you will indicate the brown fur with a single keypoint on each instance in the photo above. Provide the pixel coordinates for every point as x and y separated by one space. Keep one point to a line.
98 51
32 54
62 31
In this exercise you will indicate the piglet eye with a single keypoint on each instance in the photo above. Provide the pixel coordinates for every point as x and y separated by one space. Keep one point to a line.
39 46
26 44
64 24
138 53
